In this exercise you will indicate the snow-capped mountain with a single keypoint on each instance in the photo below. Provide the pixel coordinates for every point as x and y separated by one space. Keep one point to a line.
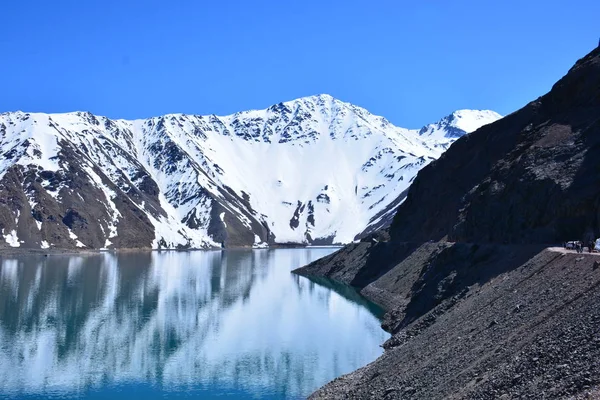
456 124
313 170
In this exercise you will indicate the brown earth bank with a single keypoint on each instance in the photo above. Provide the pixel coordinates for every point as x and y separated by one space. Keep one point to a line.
474 321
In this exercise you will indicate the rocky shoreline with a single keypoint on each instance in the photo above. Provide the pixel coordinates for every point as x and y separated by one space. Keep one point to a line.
524 326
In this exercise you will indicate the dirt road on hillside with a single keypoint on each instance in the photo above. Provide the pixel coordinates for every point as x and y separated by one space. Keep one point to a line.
562 250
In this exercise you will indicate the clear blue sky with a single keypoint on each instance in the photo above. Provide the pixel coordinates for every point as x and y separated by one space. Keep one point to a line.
410 61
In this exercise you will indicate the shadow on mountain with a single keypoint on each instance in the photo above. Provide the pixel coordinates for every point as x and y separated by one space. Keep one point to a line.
447 275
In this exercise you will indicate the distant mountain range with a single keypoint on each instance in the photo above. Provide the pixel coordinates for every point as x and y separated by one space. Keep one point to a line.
310 171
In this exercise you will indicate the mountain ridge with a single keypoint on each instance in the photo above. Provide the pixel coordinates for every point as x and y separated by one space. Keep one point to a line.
252 178
479 113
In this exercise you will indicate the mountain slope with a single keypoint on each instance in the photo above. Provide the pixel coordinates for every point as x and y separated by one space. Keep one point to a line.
489 311
313 170
535 168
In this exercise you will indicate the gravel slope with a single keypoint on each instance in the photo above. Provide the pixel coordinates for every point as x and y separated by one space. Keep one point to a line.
530 330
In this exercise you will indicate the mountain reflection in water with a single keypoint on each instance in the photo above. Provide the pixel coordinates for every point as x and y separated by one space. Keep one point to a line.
183 323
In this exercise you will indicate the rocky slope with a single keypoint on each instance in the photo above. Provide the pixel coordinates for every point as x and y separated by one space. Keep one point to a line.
530 177
478 307
314 170
478 322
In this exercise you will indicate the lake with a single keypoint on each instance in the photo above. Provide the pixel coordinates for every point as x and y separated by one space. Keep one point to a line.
202 324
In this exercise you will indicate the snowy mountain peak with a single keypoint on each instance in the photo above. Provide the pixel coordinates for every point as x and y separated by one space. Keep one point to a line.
313 170
305 120
459 123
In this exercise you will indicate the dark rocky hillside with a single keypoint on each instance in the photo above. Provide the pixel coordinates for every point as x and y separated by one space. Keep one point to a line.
531 177
478 305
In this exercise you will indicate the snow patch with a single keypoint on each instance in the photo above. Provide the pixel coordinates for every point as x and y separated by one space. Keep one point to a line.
258 244
78 243
11 238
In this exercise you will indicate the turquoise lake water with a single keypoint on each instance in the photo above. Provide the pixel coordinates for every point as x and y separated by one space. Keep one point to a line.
156 325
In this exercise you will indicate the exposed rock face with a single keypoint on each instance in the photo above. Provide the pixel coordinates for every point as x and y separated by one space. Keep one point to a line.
478 307
313 170
531 177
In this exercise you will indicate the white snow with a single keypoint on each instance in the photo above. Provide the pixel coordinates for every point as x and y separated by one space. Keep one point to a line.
466 121
471 120
44 245
11 238
329 166
78 242
259 244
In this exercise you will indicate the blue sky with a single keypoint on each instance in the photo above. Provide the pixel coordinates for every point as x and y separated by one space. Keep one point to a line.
410 61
